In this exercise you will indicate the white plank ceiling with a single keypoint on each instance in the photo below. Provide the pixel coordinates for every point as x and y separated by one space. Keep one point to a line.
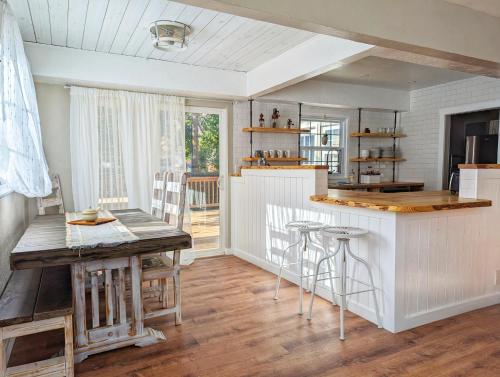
218 40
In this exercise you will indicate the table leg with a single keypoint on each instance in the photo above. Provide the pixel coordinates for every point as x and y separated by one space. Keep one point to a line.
136 276
177 287
118 330
78 281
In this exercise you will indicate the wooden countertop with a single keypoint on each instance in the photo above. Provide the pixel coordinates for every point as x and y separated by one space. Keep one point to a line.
357 186
404 202
479 166
282 167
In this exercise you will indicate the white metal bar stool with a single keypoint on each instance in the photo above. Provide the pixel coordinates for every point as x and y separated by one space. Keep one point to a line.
304 228
343 235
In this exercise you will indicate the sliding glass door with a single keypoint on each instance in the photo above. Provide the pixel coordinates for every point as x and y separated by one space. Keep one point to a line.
206 162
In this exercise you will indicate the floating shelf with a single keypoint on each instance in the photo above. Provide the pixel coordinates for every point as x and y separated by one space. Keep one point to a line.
381 159
377 134
275 159
275 130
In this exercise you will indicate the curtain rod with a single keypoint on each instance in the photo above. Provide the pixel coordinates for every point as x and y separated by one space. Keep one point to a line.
67 86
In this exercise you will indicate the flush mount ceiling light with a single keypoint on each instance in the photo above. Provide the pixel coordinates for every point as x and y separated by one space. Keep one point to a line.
169 35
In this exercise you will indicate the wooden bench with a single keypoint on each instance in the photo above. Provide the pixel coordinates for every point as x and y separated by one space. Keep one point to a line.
35 301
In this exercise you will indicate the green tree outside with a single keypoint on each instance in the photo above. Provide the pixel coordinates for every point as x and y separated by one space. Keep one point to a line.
202 144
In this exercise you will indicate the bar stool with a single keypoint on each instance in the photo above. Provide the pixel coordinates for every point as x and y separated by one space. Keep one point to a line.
304 228
343 235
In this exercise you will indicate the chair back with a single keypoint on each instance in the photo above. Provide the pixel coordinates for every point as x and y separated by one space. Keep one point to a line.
169 197
55 199
175 199
158 196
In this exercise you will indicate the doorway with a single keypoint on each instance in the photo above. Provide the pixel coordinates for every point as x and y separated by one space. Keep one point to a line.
206 162
459 127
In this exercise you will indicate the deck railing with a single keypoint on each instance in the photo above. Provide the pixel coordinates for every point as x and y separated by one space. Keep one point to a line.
203 192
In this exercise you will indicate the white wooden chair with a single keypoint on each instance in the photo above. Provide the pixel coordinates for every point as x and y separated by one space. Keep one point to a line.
158 269
53 200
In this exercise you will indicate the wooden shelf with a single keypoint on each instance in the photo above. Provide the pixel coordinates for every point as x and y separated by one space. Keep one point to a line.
382 159
275 130
275 159
377 134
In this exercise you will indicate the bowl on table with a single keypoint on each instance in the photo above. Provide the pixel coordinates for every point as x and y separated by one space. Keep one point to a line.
90 214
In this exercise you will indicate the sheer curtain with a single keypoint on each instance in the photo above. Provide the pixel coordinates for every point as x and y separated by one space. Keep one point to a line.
153 139
22 162
119 139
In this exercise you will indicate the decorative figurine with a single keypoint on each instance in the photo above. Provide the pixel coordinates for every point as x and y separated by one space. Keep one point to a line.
261 120
289 123
275 116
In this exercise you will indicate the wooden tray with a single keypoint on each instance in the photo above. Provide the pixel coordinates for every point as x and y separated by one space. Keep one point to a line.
99 221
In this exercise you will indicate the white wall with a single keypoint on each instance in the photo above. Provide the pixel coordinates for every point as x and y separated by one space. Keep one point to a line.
321 92
421 124
53 107
16 211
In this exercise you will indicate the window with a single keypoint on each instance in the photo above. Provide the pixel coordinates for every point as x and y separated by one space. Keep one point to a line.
332 152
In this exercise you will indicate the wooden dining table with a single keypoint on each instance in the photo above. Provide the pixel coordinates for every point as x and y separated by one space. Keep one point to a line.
121 323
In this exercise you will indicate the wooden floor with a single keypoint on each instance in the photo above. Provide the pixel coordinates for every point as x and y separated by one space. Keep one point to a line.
205 228
232 327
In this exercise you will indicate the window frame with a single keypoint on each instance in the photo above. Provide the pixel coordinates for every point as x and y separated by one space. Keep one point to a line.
342 149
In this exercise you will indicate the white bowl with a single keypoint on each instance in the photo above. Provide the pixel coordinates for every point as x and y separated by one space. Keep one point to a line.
90 214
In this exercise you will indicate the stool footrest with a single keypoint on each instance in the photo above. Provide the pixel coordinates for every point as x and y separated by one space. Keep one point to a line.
312 275
353 293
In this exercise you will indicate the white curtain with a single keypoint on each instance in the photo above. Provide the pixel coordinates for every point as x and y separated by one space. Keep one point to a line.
84 148
153 139
119 140
22 162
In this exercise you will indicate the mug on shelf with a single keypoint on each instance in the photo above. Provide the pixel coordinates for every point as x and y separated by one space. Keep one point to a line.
279 153
272 153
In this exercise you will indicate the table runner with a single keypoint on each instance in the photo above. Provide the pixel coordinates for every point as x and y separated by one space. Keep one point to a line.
109 234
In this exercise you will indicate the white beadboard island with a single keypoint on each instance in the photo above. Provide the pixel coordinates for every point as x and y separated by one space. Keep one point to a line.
433 255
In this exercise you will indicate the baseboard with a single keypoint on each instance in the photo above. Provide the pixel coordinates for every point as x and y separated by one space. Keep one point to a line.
446 311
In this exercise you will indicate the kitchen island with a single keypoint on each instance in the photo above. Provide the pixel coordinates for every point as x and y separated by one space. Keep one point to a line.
433 255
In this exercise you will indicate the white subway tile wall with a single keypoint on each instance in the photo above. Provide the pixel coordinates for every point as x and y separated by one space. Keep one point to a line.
421 124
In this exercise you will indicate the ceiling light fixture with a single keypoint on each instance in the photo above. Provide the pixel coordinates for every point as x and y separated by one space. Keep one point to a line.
169 35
